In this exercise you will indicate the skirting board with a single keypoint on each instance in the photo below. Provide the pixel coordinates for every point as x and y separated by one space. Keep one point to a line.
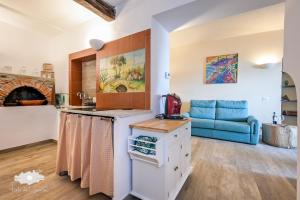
27 145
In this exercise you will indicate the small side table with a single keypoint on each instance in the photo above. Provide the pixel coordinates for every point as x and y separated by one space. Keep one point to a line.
280 135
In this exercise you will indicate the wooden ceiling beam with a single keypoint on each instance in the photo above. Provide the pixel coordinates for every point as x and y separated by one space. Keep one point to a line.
99 7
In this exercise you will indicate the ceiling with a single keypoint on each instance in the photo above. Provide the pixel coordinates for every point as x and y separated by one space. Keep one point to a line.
262 20
114 2
48 17
52 17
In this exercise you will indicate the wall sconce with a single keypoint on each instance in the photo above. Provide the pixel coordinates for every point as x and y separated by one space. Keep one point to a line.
96 44
266 65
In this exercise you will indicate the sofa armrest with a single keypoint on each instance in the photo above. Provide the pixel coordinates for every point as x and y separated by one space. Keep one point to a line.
186 115
254 129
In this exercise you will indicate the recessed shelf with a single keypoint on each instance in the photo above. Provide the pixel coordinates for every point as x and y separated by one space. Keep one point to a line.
290 115
288 86
289 101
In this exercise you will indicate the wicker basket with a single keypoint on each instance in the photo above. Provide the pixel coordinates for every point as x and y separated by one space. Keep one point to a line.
279 135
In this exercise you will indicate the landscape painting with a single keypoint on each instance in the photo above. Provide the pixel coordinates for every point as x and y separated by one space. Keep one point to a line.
123 72
222 69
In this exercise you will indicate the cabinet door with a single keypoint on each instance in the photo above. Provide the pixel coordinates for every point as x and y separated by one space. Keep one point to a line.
185 154
173 169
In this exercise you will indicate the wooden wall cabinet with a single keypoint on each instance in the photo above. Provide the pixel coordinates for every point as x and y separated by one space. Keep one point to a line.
126 100
75 73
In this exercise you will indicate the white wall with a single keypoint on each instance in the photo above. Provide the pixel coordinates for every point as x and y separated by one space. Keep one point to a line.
291 58
261 87
25 125
198 12
160 62
24 51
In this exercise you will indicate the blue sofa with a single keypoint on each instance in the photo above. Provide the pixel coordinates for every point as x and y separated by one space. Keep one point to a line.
225 120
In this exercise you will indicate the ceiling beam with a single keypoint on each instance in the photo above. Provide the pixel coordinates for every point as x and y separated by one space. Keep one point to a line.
99 7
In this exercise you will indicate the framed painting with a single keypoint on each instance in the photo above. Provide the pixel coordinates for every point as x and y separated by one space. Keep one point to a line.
123 73
221 69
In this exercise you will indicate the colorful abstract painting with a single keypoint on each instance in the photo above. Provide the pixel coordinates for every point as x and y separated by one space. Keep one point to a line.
222 69
123 72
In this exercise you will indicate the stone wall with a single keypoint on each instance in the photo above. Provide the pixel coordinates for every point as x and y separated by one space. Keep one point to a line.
9 82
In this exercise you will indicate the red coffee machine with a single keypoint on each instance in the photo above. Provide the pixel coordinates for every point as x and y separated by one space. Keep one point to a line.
172 106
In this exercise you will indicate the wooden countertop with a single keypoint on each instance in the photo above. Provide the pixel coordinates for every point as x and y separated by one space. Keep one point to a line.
158 125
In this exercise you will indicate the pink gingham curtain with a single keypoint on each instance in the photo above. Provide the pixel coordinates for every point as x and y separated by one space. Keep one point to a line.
85 150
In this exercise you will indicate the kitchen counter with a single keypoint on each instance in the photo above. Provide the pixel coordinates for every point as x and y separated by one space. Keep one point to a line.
158 125
106 113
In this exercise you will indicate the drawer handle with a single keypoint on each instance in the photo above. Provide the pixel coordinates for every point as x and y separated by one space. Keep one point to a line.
186 155
176 168
186 128
176 135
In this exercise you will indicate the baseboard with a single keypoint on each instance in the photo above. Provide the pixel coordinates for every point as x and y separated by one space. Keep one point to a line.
28 145
53 140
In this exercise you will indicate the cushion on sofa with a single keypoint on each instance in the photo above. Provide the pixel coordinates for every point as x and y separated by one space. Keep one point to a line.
231 136
232 110
203 123
204 109
240 127
203 132
203 103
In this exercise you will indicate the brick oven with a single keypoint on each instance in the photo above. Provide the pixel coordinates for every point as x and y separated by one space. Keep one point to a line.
18 88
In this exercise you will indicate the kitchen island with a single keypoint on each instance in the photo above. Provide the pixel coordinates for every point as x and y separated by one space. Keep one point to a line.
160 170
120 121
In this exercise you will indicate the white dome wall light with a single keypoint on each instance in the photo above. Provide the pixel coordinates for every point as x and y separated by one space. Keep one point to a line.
266 65
96 44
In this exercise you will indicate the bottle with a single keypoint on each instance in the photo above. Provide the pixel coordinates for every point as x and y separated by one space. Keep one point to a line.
274 118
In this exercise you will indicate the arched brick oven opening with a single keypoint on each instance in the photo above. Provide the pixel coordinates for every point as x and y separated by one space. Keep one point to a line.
24 93
26 87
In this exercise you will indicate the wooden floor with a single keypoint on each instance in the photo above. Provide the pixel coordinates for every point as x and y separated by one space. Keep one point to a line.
226 170
222 170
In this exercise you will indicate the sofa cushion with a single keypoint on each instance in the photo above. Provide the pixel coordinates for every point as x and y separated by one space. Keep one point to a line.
232 110
203 123
241 127
204 109
203 103
203 132
231 136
